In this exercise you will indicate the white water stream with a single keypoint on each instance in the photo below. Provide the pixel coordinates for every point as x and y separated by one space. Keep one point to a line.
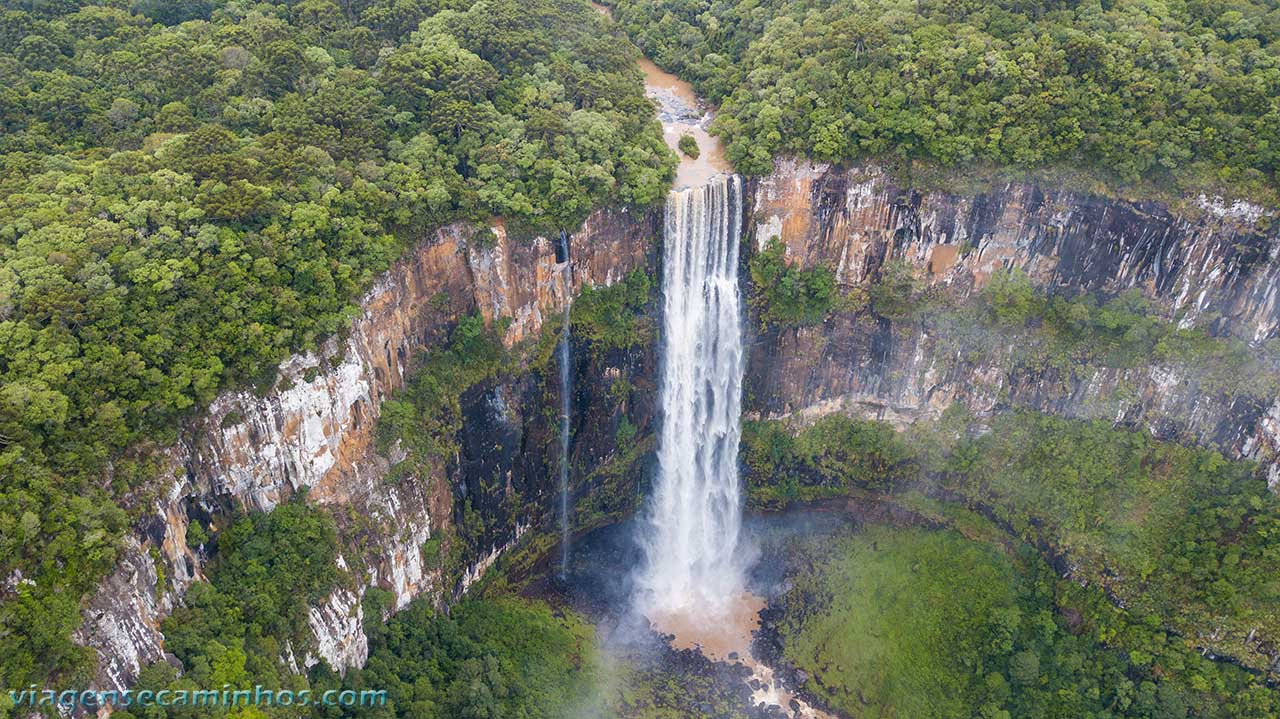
692 583
566 404
691 535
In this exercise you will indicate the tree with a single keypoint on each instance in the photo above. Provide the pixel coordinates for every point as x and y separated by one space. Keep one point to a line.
689 146
172 13
1024 667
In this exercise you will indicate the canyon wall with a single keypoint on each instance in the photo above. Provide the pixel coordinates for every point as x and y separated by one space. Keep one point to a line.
313 431
1217 269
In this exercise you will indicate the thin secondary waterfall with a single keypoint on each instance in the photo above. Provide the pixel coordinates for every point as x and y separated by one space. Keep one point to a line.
691 535
566 400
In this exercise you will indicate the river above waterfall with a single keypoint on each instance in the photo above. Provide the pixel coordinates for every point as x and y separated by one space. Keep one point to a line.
682 112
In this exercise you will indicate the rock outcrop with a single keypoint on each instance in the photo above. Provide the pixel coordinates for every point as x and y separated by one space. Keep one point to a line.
1218 269
314 431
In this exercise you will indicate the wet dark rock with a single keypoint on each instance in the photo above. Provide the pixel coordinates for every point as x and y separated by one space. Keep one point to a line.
1213 265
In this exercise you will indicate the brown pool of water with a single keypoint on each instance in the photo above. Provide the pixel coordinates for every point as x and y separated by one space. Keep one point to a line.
717 634
724 634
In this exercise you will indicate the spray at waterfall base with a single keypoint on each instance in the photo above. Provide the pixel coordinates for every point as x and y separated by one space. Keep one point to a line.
690 533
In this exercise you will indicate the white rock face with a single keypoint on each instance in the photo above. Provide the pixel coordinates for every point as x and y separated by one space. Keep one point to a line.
125 623
314 430
339 630
473 573
290 439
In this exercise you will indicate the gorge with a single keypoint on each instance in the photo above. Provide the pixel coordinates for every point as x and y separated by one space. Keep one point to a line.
804 372
828 344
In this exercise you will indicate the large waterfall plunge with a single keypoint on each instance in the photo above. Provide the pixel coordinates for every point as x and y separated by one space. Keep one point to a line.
692 530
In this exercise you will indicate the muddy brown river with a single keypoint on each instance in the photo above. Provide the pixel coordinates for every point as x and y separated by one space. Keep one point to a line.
725 634
682 112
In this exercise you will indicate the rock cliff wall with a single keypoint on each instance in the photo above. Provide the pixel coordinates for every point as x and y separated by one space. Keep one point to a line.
1217 269
313 431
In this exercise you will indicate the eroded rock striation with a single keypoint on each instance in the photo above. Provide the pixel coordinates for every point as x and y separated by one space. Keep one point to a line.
1215 267
314 431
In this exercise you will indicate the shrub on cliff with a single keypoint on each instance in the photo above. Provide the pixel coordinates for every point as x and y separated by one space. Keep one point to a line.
612 317
785 294
426 415
834 454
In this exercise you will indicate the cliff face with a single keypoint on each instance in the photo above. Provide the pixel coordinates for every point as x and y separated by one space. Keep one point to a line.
314 428
1218 270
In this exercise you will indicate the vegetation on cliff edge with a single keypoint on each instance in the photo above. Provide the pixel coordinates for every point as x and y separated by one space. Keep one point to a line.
1183 94
189 192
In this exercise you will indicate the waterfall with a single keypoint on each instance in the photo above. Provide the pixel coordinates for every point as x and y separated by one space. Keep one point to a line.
691 533
566 400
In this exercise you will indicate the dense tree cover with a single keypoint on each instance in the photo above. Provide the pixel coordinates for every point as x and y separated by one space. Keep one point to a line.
612 318
247 624
485 659
895 290
1184 93
267 568
907 623
190 191
899 622
1181 537
784 294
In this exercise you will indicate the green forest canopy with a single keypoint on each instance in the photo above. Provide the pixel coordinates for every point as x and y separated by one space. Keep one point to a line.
191 191
1183 93
908 622
1180 537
